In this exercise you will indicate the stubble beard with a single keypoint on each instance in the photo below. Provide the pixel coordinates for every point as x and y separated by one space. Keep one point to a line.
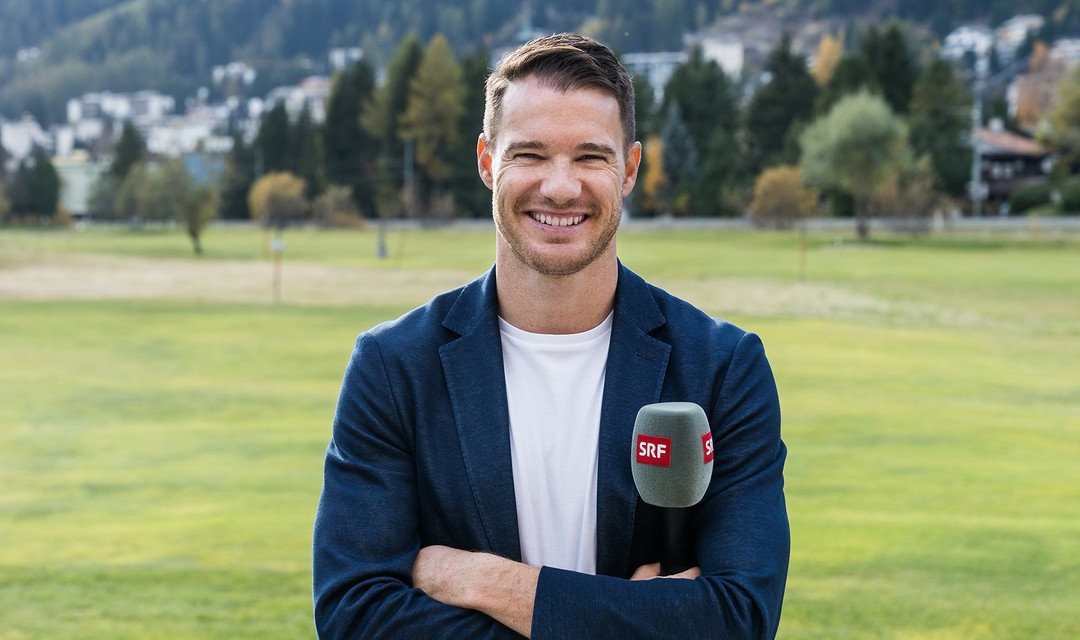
535 259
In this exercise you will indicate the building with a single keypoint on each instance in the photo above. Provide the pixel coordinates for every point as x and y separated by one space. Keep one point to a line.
78 173
1009 161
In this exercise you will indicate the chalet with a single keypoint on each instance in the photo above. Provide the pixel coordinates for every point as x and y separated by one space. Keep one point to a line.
1009 161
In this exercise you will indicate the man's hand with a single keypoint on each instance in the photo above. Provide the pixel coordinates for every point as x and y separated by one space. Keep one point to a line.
501 588
650 571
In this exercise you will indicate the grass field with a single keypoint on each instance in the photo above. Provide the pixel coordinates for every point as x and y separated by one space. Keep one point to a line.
163 421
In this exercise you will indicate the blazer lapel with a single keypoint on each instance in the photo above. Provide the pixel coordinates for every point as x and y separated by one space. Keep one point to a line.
473 368
636 366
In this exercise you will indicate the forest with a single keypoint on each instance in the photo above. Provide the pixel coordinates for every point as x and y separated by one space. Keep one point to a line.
52 50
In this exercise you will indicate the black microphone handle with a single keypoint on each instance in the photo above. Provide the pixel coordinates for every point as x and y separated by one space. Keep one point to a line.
676 551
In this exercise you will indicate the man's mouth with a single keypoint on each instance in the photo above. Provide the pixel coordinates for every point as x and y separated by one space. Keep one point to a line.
557 221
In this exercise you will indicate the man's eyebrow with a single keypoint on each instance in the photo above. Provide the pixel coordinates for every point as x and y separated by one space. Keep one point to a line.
530 145
594 147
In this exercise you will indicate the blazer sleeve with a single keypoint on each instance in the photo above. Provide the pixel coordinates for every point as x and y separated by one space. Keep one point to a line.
366 533
742 537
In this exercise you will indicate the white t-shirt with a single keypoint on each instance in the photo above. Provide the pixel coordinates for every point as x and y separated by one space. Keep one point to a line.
554 388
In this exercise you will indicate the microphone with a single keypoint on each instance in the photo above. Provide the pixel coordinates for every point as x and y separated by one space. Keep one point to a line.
672 461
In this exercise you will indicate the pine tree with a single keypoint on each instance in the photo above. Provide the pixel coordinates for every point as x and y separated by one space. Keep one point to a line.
893 65
274 143
44 185
431 120
852 74
471 197
708 105
130 150
349 151
773 112
940 125
380 120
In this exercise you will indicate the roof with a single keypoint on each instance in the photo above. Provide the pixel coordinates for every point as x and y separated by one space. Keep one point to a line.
1001 142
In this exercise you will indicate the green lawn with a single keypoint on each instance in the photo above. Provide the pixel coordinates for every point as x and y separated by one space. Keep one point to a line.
160 459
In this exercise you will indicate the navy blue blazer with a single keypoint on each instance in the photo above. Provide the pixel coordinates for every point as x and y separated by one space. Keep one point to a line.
420 455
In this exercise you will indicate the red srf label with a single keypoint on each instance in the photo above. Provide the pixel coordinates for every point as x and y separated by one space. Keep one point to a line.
654 450
707 447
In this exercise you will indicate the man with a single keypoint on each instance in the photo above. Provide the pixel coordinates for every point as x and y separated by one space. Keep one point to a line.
478 483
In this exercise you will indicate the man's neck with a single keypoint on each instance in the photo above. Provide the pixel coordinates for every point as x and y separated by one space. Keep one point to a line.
556 304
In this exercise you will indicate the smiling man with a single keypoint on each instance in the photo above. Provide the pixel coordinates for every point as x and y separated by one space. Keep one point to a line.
478 483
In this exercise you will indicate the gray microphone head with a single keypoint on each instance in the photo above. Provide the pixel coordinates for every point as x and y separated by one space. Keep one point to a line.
672 455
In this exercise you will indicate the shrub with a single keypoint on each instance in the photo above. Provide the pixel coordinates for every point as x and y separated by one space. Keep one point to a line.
1026 198
780 198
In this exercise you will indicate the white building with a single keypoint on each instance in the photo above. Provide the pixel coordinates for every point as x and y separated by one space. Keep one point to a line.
21 136
141 107
1013 32
77 177
312 92
968 38
657 67
179 135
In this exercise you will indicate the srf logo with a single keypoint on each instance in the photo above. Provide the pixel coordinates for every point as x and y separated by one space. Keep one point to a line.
654 450
707 447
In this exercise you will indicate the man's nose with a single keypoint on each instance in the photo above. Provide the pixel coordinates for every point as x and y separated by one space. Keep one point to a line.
561 184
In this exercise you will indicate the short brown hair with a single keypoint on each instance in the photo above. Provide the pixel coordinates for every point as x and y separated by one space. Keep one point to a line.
564 61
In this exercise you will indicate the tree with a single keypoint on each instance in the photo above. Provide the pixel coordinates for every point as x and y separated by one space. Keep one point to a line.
892 64
772 112
307 154
471 196
197 209
236 181
858 146
1062 129
431 120
336 208
708 107
830 51
37 186
130 150
940 125
350 151
5 204
781 198
380 119
852 74
277 199
274 143
678 160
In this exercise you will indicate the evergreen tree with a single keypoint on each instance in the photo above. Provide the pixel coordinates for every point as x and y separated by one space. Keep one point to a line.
236 181
678 159
940 125
43 183
892 63
432 122
130 150
274 143
708 105
774 111
349 151
307 153
380 119
852 74
471 197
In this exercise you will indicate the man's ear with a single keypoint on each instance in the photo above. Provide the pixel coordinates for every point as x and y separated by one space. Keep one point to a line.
483 161
633 163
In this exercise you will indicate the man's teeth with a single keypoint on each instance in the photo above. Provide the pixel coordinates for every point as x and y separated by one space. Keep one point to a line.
558 221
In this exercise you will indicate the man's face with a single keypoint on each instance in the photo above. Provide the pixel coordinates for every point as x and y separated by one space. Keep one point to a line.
558 172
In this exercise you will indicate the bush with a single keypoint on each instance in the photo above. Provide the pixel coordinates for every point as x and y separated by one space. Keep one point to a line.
1070 196
1026 198
780 198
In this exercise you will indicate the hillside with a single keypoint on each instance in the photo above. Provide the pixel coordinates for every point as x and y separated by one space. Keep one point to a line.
51 50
